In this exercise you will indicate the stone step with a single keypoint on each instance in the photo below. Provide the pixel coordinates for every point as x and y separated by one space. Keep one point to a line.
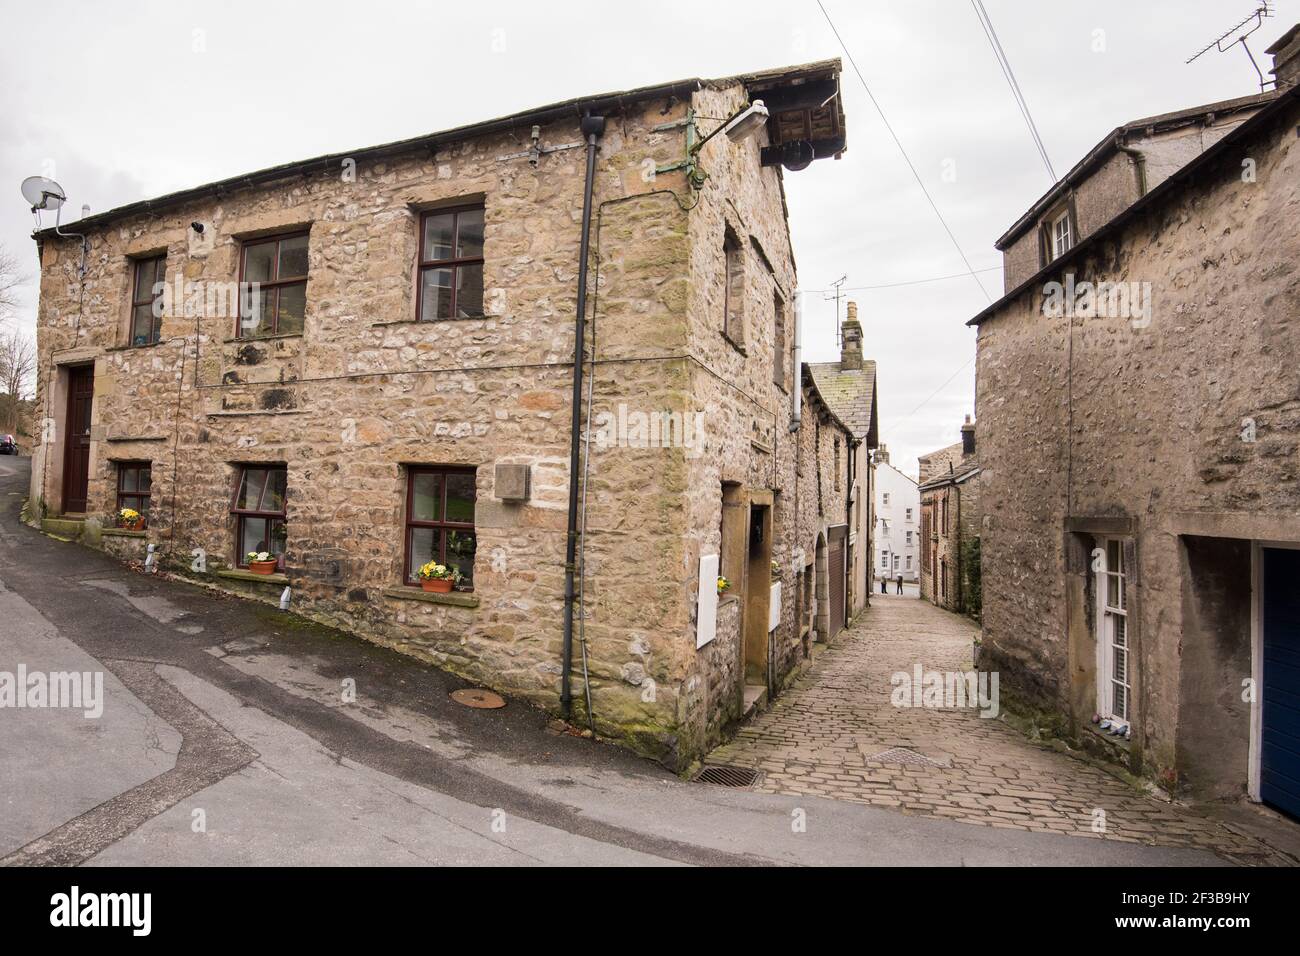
755 699
64 527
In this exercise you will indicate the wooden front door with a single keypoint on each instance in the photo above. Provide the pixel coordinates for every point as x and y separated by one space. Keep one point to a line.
76 442
835 579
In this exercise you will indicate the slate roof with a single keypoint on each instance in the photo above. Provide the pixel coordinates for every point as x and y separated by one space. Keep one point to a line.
969 470
851 395
829 114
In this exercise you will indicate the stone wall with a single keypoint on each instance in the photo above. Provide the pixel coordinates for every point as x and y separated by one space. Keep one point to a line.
366 391
1104 425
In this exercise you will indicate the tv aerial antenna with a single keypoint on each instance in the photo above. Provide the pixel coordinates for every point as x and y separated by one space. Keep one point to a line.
1238 34
44 194
836 296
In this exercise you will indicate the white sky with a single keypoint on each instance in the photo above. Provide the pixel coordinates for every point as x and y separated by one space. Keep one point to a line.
115 101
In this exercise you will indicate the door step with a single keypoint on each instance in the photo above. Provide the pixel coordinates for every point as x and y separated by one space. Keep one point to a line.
755 699
65 527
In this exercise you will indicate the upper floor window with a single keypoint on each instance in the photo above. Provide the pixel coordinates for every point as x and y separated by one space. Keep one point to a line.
1062 236
884 498
451 264
260 513
733 321
778 341
279 268
146 320
909 514
440 521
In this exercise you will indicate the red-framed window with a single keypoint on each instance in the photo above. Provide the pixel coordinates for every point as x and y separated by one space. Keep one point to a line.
146 327
278 267
440 520
258 508
134 481
451 264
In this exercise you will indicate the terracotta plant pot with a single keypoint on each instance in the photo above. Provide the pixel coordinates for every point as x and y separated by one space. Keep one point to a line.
262 567
136 525
440 585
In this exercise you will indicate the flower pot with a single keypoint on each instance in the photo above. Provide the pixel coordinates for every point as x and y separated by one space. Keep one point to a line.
439 585
262 567
136 525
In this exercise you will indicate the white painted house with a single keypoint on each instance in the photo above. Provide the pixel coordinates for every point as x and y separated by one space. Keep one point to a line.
898 523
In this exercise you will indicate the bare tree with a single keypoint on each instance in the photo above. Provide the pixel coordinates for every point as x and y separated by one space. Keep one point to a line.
17 366
10 279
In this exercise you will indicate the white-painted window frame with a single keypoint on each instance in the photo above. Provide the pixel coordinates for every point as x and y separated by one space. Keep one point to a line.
1062 238
1112 620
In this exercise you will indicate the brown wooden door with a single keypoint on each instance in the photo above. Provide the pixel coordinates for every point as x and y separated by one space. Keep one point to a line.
76 447
835 572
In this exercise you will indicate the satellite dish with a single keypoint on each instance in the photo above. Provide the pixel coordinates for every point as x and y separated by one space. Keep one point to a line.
43 193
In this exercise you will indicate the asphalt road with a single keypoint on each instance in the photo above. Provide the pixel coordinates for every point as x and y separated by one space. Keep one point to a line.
225 739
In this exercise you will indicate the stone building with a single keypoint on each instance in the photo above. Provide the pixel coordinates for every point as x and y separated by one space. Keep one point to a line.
1139 414
849 389
950 525
366 361
898 522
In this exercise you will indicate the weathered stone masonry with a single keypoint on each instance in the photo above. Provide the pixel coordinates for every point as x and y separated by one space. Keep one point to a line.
366 391
1102 426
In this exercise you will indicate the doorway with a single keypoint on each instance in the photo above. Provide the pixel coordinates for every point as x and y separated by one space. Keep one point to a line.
758 594
835 568
1279 655
76 442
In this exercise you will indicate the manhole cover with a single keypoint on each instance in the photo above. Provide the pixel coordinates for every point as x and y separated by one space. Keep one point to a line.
478 697
904 756
723 776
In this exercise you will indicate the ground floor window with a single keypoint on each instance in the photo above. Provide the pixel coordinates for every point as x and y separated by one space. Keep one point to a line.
1114 682
259 512
134 479
909 562
440 521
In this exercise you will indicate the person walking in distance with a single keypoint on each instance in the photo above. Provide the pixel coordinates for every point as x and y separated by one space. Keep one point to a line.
900 584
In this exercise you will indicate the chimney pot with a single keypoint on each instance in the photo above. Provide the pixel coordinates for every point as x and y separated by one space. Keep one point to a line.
851 340
1286 59
967 438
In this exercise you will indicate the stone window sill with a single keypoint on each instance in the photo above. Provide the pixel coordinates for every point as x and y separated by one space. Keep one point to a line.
123 533
435 322
452 598
1106 737
261 338
134 348
238 574
739 346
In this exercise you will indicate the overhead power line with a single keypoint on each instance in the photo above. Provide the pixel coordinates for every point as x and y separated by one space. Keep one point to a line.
895 285
986 22
906 158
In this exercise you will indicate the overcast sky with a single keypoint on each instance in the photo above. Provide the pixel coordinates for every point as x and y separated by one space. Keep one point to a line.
125 101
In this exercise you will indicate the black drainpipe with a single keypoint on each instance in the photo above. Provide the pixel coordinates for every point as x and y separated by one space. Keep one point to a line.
592 128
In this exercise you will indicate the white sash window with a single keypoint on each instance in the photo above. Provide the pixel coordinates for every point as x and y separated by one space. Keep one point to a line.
1114 680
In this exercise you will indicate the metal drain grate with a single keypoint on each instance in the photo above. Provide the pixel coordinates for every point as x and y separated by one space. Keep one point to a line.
904 756
724 776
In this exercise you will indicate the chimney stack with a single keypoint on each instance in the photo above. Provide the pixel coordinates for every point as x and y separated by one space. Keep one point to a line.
1286 59
882 455
851 341
967 438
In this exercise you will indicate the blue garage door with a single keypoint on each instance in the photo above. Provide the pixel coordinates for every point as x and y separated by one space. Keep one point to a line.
1279 781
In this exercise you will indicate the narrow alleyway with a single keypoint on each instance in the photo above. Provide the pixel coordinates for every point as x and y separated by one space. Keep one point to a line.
829 735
